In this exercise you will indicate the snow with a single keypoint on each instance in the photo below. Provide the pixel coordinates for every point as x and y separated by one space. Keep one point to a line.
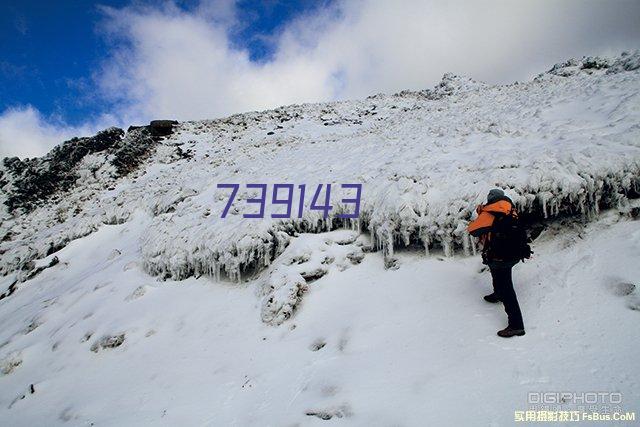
558 145
306 259
132 302
371 346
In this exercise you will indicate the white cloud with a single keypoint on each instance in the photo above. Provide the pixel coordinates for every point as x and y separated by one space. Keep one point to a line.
24 132
165 62
180 65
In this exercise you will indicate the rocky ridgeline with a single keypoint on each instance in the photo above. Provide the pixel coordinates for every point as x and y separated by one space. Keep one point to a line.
28 182
627 61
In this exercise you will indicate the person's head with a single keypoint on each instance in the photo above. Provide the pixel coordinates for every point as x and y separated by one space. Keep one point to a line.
494 195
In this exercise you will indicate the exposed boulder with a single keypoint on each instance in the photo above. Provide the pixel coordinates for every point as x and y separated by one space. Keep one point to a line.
162 127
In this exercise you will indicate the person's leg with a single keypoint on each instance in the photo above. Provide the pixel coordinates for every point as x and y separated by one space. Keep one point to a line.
495 296
504 285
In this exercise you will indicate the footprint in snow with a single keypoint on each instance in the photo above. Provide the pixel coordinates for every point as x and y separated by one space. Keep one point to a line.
329 390
114 254
298 259
30 390
328 259
634 303
137 293
622 289
33 325
130 265
108 341
344 340
101 285
317 344
10 363
342 411
628 291
67 415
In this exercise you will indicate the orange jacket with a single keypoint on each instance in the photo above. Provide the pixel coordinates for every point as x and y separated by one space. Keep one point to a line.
481 226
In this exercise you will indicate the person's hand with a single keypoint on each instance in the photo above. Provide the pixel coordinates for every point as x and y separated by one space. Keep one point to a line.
479 208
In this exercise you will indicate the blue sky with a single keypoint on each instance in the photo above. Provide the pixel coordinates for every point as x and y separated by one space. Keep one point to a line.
71 67
49 49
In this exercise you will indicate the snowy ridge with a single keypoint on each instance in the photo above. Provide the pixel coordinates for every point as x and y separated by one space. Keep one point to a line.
564 143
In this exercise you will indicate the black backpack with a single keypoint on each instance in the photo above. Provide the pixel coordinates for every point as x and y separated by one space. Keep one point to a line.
509 240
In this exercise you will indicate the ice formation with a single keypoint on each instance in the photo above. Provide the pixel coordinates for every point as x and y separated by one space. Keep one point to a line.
565 143
308 258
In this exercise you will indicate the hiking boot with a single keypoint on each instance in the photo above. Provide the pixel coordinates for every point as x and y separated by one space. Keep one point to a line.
509 332
492 298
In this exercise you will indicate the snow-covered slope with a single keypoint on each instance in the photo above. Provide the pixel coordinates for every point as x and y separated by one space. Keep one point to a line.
128 299
567 142
424 158
370 347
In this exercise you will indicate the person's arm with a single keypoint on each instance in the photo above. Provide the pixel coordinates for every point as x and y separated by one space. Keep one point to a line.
481 225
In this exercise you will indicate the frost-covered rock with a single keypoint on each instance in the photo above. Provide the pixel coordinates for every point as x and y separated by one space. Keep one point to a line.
108 341
627 61
308 258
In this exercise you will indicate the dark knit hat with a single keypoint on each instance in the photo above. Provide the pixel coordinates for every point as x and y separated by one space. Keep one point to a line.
494 195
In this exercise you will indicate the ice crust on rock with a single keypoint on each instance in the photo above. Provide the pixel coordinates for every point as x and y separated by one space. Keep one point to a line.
308 258
565 143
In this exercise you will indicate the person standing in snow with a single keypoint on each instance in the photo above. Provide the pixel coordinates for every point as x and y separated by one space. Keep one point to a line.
500 257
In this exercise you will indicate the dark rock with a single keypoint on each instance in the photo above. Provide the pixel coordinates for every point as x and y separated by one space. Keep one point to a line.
12 288
132 127
33 272
594 63
162 127
133 150
35 180
184 154
535 230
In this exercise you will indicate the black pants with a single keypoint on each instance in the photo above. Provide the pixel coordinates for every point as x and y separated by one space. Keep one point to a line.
503 288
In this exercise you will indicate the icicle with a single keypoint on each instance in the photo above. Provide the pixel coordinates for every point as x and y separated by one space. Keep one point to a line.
465 243
474 249
447 247
385 237
426 241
